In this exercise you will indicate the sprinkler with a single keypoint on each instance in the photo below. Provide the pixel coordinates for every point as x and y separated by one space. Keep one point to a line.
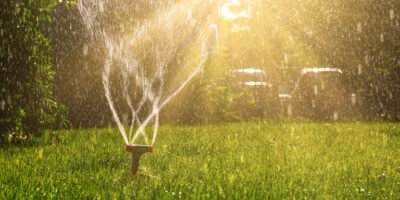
137 151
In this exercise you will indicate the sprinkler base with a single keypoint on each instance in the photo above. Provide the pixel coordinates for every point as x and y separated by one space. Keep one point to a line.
137 152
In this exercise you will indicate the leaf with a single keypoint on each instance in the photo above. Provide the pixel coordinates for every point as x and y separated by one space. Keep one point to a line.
40 154
47 9
73 3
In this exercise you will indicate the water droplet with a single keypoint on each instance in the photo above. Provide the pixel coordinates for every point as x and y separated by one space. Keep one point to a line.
189 15
359 27
290 110
85 49
309 33
316 89
10 53
101 6
2 104
359 69
17 9
382 38
125 118
353 99
391 14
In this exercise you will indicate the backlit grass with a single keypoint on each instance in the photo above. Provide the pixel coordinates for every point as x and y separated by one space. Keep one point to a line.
255 160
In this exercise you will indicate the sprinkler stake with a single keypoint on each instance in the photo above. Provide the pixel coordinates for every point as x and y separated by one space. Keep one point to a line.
137 151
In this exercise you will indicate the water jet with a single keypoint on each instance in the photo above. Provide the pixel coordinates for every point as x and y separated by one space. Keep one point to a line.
140 73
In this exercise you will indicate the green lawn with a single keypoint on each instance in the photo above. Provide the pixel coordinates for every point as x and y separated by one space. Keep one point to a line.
278 160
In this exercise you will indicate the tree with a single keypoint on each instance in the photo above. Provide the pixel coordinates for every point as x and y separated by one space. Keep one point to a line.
27 106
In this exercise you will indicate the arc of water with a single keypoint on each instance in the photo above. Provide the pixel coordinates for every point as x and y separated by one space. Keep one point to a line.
156 99
128 99
149 93
164 50
110 102
131 69
156 106
167 100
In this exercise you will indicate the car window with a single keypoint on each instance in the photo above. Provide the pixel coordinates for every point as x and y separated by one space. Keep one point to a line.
321 81
248 77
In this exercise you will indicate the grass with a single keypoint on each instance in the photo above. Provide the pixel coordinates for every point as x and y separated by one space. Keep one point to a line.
235 161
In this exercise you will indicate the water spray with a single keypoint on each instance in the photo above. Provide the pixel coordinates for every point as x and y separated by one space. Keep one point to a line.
137 152
143 58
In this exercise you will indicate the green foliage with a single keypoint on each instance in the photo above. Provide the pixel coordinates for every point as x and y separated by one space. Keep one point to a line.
223 105
282 37
27 104
219 103
209 100
232 161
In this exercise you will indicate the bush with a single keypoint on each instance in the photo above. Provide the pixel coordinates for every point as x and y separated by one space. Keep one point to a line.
26 100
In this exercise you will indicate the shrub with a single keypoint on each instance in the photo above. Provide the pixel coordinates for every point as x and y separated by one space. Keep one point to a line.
27 105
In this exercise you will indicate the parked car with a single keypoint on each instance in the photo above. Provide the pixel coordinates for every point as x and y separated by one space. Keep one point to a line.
321 93
285 105
255 82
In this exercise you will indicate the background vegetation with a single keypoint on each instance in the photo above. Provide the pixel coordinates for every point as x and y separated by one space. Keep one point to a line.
27 105
361 38
280 37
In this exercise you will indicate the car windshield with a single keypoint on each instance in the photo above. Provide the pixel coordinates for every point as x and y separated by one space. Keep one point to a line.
248 76
328 79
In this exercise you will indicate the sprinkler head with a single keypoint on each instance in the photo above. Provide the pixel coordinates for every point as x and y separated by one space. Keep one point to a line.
137 151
